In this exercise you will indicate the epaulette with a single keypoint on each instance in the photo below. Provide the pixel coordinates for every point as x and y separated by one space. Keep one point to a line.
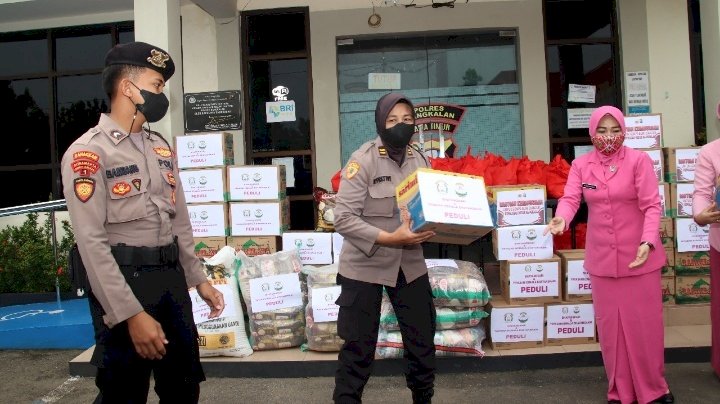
87 136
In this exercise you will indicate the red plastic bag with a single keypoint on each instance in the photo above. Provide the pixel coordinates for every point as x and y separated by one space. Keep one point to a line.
580 234
450 164
335 181
557 174
562 241
531 172
502 172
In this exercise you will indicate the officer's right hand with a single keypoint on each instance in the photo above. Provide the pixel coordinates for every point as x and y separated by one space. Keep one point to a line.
403 235
147 336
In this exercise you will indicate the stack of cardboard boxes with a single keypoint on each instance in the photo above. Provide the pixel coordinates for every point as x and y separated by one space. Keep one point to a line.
246 203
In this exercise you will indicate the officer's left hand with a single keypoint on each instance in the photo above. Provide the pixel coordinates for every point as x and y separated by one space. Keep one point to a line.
213 298
641 257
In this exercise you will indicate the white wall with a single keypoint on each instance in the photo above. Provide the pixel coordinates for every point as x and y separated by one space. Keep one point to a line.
710 24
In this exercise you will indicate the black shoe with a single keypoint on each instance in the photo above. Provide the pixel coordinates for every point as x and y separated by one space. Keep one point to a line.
422 396
614 402
665 398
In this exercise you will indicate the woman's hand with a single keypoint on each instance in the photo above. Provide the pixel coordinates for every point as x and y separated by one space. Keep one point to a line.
641 257
556 226
708 215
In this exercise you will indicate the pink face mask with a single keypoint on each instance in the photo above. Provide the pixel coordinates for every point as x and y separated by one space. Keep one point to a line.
608 144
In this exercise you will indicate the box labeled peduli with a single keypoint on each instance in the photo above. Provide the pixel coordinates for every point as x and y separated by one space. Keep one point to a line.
530 281
266 218
690 236
208 219
204 185
576 280
313 247
522 242
515 326
252 183
454 206
254 245
515 205
570 323
204 150
656 156
680 163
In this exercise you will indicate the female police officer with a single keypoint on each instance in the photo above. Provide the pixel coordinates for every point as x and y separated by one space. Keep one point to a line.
381 250
134 236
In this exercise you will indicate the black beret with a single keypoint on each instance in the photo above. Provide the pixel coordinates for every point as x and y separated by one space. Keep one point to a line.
141 54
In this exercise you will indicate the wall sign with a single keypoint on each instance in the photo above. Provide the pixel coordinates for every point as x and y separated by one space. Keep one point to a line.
212 111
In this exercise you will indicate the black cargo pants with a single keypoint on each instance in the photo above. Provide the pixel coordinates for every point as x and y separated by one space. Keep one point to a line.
358 324
123 376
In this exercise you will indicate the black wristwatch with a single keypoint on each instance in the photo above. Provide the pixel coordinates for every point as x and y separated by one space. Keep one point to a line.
649 244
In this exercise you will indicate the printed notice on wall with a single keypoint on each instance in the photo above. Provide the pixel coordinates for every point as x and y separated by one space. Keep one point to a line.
211 111
324 308
280 111
579 118
384 81
289 169
275 292
637 95
581 93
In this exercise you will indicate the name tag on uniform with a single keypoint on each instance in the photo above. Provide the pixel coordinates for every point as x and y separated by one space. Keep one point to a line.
589 186
384 178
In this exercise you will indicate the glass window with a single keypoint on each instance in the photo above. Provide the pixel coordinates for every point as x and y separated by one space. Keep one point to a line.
33 186
126 36
80 101
471 75
269 33
583 19
82 52
264 77
23 57
25 119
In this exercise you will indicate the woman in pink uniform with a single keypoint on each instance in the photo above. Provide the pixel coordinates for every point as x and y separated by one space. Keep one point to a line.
705 211
621 191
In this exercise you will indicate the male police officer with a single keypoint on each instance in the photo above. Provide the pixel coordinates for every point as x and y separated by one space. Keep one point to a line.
381 250
133 232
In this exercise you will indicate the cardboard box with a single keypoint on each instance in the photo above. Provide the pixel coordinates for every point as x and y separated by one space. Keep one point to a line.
681 199
680 163
692 263
667 283
530 281
522 242
690 236
643 131
253 183
516 205
570 323
204 150
667 271
337 242
452 205
266 218
670 254
681 315
515 326
255 245
204 185
206 247
576 284
665 201
491 273
667 227
692 289
208 219
313 247
656 156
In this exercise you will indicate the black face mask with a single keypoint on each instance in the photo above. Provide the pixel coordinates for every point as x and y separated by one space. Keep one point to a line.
155 106
398 136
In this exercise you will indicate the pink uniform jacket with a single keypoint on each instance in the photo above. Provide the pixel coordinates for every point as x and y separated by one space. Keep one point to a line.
623 210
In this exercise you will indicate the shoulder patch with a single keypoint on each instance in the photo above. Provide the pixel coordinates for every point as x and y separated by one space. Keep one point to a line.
84 188
85 163
121 188
162 151
352 169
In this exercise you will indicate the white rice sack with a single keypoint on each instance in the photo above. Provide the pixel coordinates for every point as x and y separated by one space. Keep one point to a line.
275 294
223 336
457 283
462 342
322 334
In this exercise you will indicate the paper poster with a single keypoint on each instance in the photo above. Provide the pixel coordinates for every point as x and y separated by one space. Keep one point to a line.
289 169
280 111
579 118
201 310
581 93
637 94
384 81
275 292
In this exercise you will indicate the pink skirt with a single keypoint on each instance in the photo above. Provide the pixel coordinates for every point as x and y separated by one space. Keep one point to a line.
630 326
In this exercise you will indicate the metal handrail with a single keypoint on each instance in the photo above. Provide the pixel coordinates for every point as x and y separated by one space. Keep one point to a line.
50 206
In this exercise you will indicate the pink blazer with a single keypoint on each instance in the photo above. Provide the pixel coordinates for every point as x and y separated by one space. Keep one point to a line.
623 210
707 171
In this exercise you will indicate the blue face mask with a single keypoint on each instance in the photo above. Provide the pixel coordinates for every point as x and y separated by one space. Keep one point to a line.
155 106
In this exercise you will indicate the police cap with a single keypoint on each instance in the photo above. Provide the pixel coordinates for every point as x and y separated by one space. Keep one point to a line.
141 54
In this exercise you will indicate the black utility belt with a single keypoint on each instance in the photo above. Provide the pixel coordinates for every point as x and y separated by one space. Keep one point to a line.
142 256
